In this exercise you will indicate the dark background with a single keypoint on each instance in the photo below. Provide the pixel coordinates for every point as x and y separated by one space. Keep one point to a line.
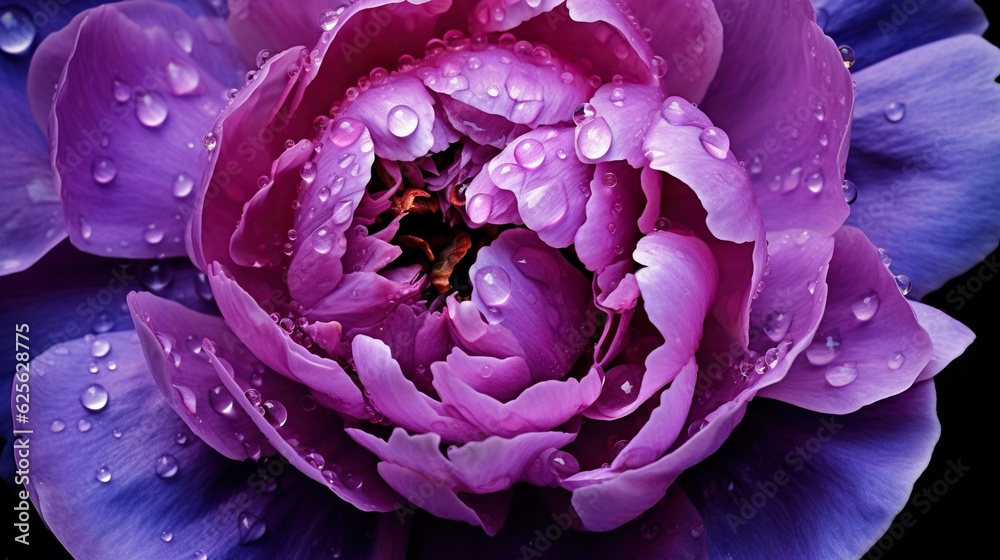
961 523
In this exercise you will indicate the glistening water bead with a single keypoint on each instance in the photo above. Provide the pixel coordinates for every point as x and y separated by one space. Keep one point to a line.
17 32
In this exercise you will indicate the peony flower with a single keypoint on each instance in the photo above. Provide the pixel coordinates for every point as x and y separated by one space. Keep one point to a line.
509 278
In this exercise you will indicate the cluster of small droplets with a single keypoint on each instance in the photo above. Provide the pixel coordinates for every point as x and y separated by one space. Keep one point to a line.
903 282
294 324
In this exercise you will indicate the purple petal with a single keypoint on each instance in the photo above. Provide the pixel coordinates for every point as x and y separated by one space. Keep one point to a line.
869 345
837 481
612 216
273 346
794 101
543 406
528 288
918 177
171 336
166 493
169 99
949 337
879 30
310 437
551 188
396 397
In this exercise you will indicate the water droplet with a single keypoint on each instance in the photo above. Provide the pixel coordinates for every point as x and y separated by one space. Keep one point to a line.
650 530
275 413
220 398
621 389
183 185
57 426
315 460
529 153
166 536
697 531
94 397
117 433
866 308
850 192
100 348
209 141
183 40
479 207
328 19
251 527
150 109
492 285
896 361
584 113
17 31
200 555
182 78
659 66
253 395
346 132
884 256
848 56
157 276
594 139
823 350
895 112
840 375
903 283
715 142
181 438
776 325
610 180
263 56
402 121
617 96
815 182
352 480
104 474
153 234
104 170
771 357
167 466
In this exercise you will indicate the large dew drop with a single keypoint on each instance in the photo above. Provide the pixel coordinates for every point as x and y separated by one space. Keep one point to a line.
594 139
402 121
492 285
94 397
150 109
17 31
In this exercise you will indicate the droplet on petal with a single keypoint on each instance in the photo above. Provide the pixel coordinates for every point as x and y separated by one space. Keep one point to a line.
104 170
850 192
150 109
594 139
402 121
895 111
848 56
715 142
841 375
166 466
492 285
94 397
17 31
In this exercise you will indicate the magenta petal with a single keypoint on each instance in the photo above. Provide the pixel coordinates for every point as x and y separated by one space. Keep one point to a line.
543 406
678 286
272 345
395 396
551 188
399 114
949 337
507 83
628 110
472 333
528 288
169 99
869 345
171 336
343 170
664 424
689 37
309 436
263 220
439 500
501 379
801 98
613 211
